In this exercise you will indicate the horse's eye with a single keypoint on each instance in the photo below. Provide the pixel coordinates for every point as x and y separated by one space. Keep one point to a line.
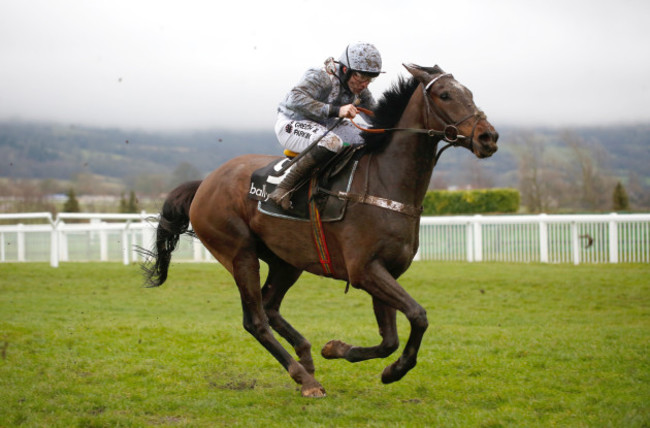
445 96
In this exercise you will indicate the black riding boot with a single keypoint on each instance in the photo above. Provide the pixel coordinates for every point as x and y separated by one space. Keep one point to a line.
314 157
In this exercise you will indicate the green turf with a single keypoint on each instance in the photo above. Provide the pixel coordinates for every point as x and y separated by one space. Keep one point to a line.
508 345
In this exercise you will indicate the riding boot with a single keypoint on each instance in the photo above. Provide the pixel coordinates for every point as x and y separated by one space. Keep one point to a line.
316 156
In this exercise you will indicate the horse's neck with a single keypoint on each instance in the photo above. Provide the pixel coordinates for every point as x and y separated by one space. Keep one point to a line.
403 169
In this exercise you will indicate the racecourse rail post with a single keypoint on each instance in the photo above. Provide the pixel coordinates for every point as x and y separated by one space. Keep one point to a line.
613 238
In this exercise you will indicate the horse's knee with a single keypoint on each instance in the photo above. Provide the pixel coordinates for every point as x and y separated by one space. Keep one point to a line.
418 318
255 326
250 327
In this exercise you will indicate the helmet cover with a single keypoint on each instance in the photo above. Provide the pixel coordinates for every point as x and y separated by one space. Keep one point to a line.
362 57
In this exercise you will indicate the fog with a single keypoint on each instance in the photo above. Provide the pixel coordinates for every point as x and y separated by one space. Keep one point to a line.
164 65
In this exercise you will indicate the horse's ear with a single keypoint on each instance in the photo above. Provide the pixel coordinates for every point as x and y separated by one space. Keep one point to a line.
418 72
436 69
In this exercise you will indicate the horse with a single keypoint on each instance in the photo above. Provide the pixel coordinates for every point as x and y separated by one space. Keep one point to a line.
369 248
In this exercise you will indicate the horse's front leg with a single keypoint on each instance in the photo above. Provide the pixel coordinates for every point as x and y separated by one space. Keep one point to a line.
386 320
383 287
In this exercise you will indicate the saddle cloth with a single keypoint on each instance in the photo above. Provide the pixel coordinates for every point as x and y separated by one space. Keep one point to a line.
335 176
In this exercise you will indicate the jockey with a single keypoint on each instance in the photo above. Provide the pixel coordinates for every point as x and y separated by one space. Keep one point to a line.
322 100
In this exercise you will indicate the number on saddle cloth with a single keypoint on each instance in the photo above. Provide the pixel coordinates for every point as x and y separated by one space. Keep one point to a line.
336 178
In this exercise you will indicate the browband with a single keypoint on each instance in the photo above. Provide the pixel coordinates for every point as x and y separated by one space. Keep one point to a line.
426 88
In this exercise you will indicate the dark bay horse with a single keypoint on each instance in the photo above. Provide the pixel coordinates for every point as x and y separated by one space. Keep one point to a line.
370 247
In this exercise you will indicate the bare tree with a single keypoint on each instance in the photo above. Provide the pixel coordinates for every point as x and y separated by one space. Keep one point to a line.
439 181
594 183
540 180
29 197
638 193
150 184
475 174
87 184
185 171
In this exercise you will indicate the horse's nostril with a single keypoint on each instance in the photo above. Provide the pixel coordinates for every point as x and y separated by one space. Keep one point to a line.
488 137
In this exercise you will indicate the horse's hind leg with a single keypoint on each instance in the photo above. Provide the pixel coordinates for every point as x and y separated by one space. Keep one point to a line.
386 320
245 269
281 277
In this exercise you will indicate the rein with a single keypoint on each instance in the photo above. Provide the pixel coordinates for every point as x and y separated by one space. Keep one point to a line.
450 134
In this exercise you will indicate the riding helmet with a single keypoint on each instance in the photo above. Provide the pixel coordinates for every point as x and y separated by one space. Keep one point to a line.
362 57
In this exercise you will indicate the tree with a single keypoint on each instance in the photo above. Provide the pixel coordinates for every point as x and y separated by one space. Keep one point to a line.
149 184
133 202
123 204
638 194
475 174
87 184
27 196
541 181
184 172
594 183
621 202
72 204
131 206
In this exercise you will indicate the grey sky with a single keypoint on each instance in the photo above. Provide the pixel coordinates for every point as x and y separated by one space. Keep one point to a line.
157 64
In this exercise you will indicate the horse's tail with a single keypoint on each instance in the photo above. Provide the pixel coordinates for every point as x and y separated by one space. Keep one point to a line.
174 221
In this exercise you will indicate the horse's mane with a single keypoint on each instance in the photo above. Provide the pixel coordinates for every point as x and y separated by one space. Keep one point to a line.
390 107
388 111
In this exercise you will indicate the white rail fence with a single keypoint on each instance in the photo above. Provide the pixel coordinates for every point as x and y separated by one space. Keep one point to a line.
87 237
608 238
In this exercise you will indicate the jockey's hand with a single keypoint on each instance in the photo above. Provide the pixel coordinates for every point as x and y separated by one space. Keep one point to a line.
348 110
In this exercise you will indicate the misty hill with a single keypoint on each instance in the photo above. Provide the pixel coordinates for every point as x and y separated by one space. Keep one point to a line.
55 151
60 152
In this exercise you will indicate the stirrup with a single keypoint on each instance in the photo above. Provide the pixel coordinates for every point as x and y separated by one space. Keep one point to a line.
302 168
290 154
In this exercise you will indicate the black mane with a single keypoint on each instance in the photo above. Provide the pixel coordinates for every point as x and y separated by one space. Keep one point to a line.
388 111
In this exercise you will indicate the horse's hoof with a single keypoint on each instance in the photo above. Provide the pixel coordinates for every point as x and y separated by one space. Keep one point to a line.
395 371
335 349
314 392
387 375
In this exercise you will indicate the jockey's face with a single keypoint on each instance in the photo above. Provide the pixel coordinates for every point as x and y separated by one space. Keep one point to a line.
358 82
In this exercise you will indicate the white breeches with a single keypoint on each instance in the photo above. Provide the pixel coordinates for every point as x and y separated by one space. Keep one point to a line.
297 135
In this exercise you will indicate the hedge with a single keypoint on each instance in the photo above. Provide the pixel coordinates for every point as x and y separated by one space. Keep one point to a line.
440 202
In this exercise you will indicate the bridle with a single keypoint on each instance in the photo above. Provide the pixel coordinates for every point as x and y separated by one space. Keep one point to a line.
450 133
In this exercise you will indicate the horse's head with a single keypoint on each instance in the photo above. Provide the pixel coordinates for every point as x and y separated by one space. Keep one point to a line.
449 108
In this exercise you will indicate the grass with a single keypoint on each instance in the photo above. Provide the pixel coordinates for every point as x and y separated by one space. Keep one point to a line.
508 345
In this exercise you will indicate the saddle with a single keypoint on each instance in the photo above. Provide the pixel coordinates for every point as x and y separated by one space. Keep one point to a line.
321 189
